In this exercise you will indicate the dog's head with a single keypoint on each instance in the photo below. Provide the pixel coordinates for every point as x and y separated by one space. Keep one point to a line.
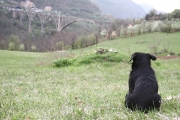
142 59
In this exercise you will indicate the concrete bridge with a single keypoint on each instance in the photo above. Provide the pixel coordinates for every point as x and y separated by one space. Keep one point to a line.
61 21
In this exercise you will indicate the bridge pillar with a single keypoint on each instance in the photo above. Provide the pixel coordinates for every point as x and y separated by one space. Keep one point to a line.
59 24
30 16
57 20
43 19
21 14
14 14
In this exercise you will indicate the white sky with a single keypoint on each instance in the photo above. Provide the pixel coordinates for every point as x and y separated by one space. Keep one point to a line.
162 5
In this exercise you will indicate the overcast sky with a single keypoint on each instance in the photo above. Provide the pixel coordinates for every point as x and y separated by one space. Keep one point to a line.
162 5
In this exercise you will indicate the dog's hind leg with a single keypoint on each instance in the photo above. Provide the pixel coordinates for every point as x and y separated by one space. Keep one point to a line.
129 101
156 102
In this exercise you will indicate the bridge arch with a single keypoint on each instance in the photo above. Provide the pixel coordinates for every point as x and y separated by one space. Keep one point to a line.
77 21
59 19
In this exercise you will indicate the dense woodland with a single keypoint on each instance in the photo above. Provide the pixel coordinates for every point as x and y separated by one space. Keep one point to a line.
15 36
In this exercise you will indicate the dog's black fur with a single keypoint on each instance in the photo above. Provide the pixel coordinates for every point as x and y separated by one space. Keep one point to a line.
143 87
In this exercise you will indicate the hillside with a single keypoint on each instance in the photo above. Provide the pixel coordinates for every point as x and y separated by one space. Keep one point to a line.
92 8
120 8
10 27
78 8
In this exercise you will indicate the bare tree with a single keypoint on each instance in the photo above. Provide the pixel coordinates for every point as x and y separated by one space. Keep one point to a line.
168 26
154 46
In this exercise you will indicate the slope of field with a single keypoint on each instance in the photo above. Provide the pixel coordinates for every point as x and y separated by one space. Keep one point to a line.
144 43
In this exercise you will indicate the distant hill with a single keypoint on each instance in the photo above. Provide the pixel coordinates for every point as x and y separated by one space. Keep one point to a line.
78 8
147 8
11 27
120 8
91 8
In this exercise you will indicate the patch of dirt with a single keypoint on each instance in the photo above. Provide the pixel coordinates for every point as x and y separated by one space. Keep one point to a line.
168 57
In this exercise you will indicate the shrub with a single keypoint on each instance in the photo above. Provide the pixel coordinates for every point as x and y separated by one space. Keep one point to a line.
67 47
89 58
91 39
33 48
62 62
78 43
156 26
60 45
11 46
104 32
82 41
21 47
84 61
14 42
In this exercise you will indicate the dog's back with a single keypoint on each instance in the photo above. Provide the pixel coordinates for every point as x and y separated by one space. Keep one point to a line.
143 87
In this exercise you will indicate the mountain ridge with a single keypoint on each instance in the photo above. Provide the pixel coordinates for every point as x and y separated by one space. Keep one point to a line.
118 9
121 8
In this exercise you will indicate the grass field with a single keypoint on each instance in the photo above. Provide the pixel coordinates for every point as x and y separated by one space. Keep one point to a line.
31 89
143 43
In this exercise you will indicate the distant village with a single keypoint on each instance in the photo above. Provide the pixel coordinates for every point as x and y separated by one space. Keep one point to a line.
28 6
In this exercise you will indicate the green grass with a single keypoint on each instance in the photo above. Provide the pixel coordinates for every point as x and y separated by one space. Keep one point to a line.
30 88
131 44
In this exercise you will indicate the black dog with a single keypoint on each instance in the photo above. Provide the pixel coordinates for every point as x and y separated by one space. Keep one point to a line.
143 88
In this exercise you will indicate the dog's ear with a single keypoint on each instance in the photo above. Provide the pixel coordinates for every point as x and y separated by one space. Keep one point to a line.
152 57
132 56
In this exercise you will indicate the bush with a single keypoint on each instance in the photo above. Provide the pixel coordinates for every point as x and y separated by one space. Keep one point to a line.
82 41
11 46
21 47
60 45
78 43
33 48
14 42
84 61
91 40
62 62
89 58
104 32
67 47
